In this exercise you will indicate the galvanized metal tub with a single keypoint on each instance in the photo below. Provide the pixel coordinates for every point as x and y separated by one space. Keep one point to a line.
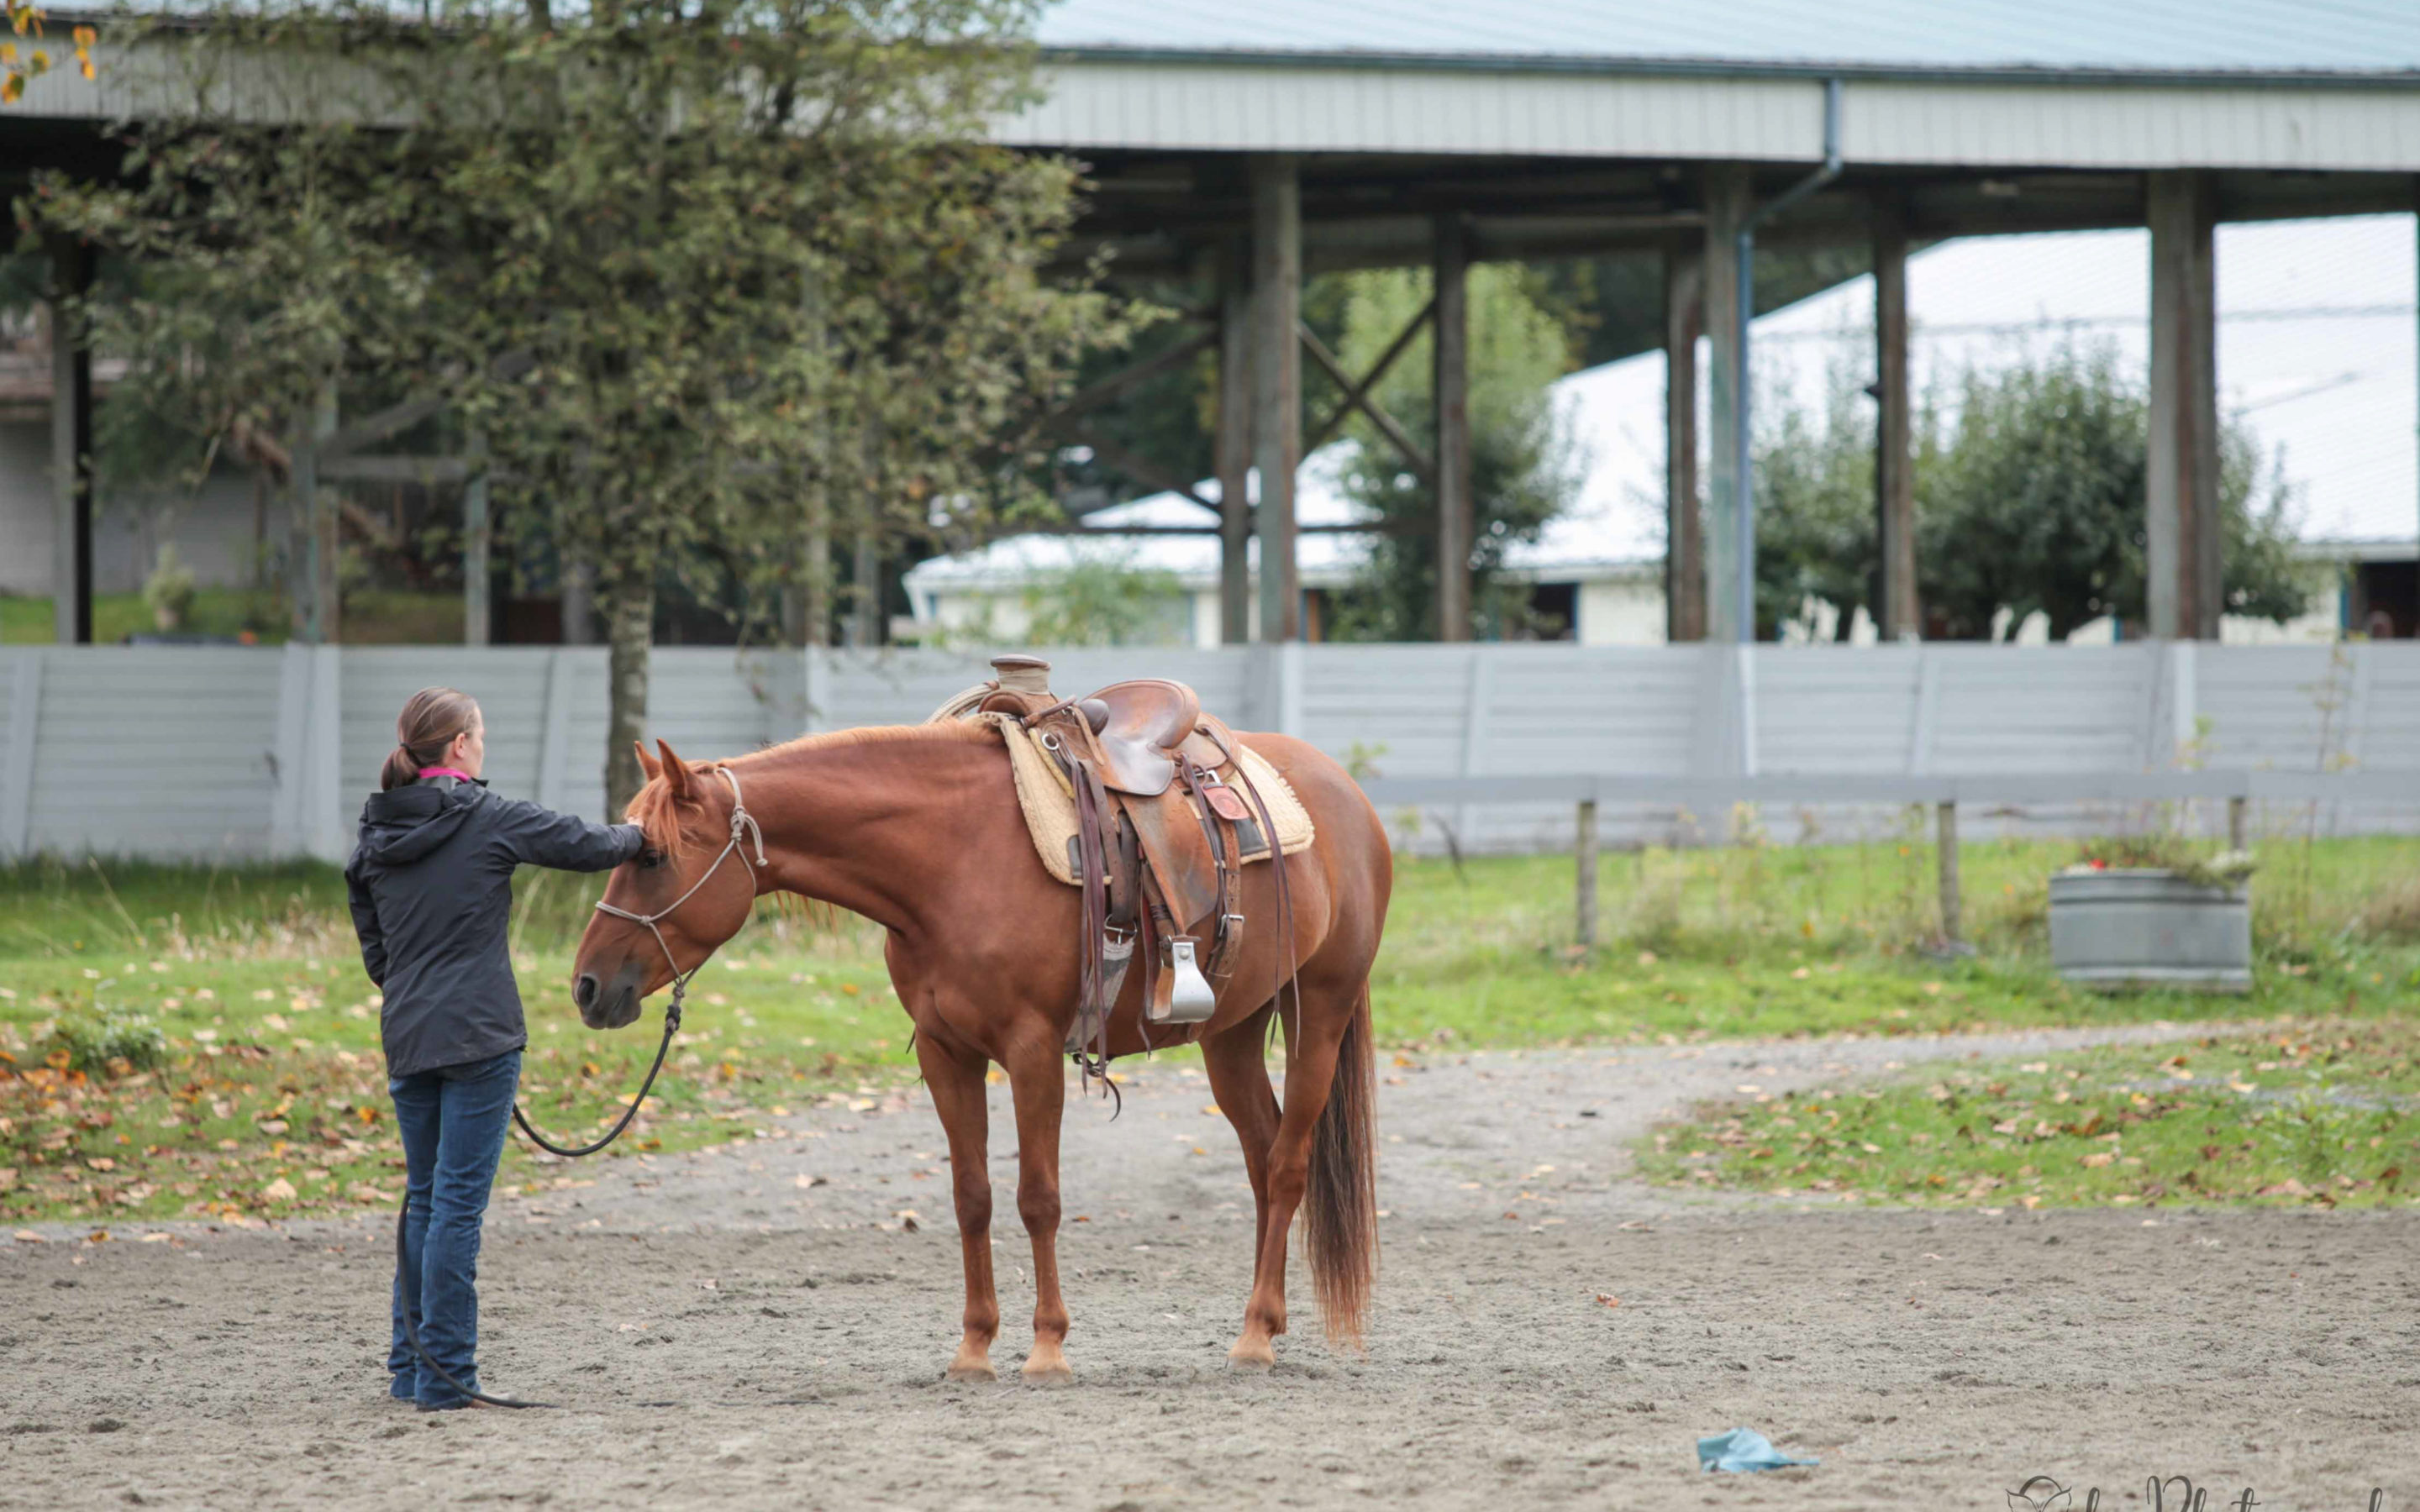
2150 928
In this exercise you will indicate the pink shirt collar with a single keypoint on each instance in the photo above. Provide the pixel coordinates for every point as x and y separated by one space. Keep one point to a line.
446 771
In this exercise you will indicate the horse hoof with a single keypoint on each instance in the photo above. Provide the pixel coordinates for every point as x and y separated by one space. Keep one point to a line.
982 1371
1053 1373
1248 1361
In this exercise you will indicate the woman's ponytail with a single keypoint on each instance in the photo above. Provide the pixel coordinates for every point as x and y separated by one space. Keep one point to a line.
428 725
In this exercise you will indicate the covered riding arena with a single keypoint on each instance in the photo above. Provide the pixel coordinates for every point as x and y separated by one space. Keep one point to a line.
1565 1306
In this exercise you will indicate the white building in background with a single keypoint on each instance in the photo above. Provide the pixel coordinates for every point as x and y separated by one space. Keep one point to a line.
2316 351
1591 575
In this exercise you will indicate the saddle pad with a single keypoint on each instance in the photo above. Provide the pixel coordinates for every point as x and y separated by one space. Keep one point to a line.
1050 809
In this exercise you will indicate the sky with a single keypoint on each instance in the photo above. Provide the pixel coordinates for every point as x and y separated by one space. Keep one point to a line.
2316 351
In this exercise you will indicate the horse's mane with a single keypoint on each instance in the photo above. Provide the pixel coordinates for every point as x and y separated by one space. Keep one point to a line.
655 811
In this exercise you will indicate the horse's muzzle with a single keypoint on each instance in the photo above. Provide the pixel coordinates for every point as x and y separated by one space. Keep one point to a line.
607 1005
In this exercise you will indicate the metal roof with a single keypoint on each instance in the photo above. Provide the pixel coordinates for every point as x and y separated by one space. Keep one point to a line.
2147 36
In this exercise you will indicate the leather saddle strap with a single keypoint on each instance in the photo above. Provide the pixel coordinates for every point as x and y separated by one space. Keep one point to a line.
1222 855
1287 968
1091 860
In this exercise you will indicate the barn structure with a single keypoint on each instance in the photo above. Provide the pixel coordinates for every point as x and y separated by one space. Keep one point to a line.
1262 142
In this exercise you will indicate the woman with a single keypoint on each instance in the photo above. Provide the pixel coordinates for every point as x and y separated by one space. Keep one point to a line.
431 889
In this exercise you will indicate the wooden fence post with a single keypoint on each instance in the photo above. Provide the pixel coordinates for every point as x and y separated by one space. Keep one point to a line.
1587 931
1945 816
2236 814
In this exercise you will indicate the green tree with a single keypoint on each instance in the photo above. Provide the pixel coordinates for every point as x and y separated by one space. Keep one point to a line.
705 278
1105 602
1523 468
2031 495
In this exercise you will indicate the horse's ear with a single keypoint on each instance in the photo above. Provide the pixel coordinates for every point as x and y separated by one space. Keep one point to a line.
647 761
676 771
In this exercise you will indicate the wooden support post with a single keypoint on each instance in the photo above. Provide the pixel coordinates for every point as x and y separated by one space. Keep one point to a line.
1727 193
1586 933
1450 348
2238 813
71 269
1234 444
1952 922
1895 610
1685 542
478 616
2182 554
1277 385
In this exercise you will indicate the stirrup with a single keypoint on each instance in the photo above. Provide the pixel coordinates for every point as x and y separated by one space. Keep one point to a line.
1191 999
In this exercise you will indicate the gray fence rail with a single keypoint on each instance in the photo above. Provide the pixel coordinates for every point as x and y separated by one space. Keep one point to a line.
240 752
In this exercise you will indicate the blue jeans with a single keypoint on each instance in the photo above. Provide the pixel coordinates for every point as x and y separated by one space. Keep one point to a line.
453 1120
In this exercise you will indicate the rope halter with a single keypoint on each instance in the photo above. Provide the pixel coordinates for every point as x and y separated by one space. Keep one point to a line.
743 827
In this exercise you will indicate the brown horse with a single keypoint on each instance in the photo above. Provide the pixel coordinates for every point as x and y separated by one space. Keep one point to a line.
917 827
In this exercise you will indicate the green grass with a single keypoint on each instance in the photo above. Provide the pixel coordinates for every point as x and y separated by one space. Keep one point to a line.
371 617
273 1100
273 1085
2310 1113
1774 941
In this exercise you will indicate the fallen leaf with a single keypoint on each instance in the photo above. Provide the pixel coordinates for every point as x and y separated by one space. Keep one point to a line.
1609 1299
2096 1159
280 1190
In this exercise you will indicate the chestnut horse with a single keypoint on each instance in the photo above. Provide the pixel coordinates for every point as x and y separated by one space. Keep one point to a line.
917 827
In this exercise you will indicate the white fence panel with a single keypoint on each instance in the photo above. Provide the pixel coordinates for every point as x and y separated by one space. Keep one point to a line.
1820 712
154 754
2046 708
1599 711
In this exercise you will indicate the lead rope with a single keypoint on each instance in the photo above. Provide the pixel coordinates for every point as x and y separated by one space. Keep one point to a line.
743 824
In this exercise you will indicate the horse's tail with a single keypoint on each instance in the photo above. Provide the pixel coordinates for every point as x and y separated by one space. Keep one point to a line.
1341 1220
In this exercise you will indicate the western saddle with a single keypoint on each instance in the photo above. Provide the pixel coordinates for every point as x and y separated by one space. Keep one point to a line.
1165 818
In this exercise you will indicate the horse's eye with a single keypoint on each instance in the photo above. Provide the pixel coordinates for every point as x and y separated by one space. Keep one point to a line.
651 859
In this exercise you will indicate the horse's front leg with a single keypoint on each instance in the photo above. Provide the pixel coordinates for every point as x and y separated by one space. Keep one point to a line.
1041 1092
956 1080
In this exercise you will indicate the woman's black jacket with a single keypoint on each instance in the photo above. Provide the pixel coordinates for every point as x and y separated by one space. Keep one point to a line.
431 889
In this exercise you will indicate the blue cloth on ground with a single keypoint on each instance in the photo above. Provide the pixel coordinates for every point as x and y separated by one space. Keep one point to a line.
1744 1449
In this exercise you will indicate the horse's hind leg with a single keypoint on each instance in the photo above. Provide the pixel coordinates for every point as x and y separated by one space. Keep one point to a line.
956 1080
1310 1070
1041 1089
1239 1079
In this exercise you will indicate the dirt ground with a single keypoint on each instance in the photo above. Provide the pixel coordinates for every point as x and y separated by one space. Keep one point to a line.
731 1333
